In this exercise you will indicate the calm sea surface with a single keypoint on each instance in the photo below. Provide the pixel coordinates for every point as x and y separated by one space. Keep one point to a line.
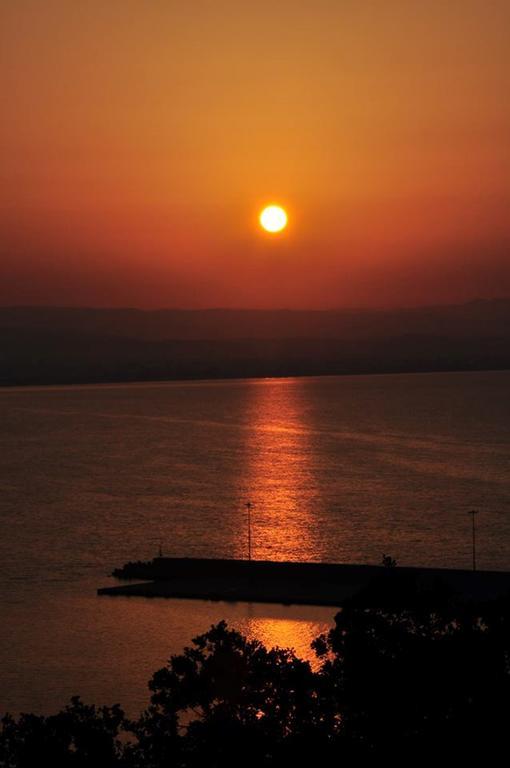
338 468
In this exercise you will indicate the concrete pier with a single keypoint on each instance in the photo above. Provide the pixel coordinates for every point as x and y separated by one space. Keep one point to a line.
327 584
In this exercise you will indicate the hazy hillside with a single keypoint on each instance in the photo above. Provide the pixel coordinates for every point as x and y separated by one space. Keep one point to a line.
52 345
477 318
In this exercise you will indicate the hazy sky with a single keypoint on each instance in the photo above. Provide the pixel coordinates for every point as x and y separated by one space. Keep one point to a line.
139 139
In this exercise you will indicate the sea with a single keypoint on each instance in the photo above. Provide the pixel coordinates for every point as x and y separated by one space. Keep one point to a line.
337 469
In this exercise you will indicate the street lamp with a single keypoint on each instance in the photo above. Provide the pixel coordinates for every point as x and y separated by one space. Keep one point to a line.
248 507
473 512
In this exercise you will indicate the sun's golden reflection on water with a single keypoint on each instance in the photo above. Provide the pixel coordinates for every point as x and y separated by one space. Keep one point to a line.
279 478
288 633
279 473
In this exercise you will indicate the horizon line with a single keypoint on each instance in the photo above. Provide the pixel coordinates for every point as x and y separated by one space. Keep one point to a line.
358 308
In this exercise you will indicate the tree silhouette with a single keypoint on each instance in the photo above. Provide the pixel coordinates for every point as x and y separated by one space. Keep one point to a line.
392 683
228 700
77 737
416 681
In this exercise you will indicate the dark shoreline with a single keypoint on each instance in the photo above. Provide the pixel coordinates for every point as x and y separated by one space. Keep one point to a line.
199 379
51 346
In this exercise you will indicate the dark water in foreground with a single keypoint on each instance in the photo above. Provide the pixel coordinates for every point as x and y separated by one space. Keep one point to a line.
338 469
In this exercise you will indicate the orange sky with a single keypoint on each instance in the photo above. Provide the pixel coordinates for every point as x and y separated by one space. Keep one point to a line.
139 138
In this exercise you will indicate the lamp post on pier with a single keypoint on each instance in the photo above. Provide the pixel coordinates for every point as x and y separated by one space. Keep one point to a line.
473 512
248 507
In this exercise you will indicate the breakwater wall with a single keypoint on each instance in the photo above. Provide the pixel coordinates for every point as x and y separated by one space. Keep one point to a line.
303 583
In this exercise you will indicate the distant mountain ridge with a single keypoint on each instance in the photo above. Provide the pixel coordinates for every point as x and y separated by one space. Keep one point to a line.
481 317
43 345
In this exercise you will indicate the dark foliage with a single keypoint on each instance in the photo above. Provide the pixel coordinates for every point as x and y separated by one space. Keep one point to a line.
78 737
395 684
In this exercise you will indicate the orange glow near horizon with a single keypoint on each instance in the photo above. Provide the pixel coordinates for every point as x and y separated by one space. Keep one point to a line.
133 160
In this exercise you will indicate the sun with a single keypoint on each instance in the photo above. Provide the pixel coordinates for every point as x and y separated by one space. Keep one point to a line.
273 218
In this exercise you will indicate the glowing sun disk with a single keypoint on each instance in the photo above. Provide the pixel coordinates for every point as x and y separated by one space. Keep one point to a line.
273 218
